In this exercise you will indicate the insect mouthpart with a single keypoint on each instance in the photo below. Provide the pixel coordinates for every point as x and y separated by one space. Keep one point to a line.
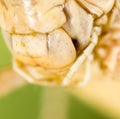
66 33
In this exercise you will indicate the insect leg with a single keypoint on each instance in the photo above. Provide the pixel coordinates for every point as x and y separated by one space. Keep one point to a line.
87 74
18 68
81 58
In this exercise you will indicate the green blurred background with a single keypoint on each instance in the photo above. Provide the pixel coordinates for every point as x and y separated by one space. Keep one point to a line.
37 102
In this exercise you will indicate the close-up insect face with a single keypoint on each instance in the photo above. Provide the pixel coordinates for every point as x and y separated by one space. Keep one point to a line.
52 38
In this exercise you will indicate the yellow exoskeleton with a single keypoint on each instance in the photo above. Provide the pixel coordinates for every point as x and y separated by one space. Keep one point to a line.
50 39
108 50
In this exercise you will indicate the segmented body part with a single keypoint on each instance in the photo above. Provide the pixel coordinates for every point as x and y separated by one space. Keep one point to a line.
35 15
108 49
50 39
46 51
